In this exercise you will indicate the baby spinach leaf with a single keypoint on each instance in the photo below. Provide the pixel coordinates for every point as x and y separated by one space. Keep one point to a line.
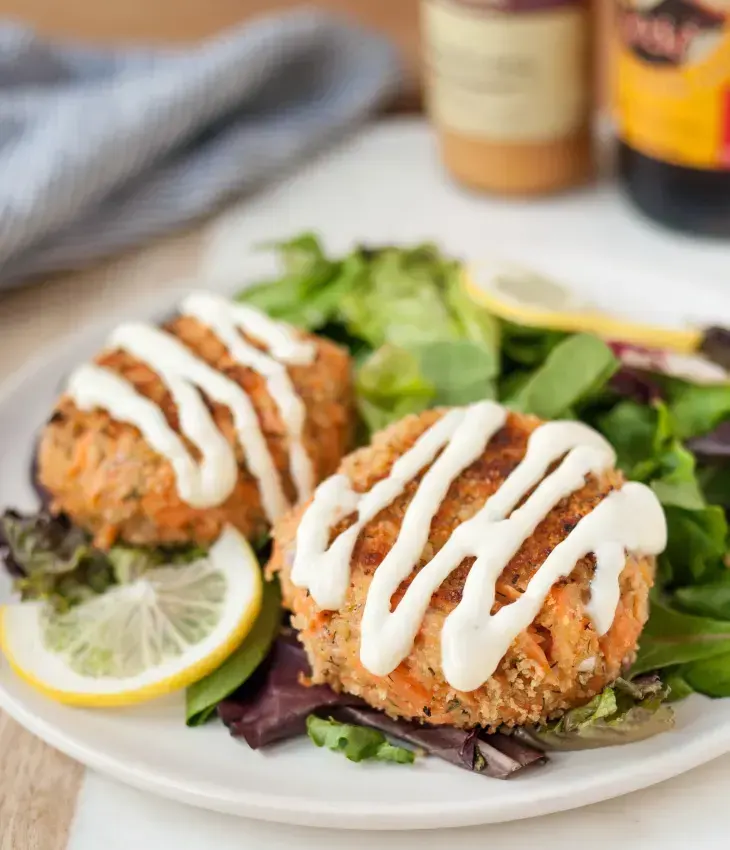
647 450
461 371
696 543
676 483
672 637
706 600
630 428
715 484
356 743
698 408
202 697
678 687
576 367
710 676
526 346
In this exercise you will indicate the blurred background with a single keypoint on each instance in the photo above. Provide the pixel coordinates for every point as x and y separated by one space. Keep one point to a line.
127 121
185 21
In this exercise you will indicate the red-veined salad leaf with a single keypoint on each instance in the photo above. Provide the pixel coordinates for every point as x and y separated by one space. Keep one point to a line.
274 705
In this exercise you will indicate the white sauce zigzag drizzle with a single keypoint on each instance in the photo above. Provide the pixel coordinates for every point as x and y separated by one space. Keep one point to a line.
211 481
226 320
473 641
200 485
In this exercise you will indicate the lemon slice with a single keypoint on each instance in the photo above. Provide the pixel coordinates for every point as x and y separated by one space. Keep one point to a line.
522 296
141 640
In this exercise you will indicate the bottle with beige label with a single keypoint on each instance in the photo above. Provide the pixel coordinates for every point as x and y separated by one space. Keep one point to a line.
508 86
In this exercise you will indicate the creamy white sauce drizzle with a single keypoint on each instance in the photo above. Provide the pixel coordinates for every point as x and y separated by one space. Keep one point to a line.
473 641
226 320
209 482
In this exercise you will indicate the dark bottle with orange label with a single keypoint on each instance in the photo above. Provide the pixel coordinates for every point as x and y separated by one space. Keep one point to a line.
673 110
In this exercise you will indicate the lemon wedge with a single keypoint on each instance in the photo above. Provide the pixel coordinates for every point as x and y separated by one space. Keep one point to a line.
522 296
140 640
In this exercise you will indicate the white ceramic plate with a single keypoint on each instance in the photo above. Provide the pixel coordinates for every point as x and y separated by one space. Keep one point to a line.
151 748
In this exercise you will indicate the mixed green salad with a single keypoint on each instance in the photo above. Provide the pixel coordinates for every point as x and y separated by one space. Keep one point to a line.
418 340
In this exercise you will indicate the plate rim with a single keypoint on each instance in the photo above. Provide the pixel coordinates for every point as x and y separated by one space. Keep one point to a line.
707 745
299 811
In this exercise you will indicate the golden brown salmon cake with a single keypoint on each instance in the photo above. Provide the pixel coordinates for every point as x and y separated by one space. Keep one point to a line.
108 480
557 663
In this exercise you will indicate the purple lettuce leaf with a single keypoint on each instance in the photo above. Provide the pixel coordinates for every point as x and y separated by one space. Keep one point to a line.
715 346
712 446
44 496
497 756
274 706
635 384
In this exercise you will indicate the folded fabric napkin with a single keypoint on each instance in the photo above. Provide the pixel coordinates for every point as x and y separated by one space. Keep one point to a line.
101 149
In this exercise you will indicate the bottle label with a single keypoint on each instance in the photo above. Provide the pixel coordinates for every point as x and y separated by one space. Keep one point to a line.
673 97
507 70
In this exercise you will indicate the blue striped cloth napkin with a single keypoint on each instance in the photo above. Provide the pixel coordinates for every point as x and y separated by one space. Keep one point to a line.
102 149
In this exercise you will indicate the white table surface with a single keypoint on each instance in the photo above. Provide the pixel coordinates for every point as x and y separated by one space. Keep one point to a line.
690 812
385 185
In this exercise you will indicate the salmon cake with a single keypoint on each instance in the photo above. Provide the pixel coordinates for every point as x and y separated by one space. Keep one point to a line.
221 416
470 591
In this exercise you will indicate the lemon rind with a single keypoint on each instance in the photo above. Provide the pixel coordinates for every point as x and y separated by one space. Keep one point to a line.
163 687
684 341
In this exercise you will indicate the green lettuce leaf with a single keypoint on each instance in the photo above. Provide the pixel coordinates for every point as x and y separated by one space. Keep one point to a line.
627 711
54 561
575 368
302 257
400 299
390 385
356 743
202 697
417 337
308 292
395 381
475 323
